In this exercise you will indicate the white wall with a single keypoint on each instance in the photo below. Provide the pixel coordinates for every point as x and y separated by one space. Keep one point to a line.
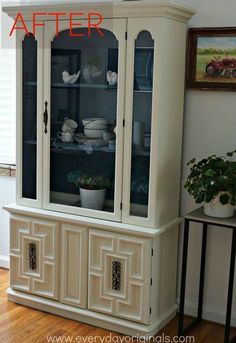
7 196
209 127
7 184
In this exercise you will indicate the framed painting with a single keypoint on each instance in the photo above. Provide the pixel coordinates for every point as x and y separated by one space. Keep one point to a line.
211 58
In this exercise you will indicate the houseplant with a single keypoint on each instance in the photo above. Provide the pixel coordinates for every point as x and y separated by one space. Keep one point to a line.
92 189
212 181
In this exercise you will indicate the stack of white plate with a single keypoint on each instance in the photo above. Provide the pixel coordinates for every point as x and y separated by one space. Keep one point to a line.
94 127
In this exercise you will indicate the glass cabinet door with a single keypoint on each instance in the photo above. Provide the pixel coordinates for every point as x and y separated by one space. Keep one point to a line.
85 122
29 150
141 125
139 111
29 118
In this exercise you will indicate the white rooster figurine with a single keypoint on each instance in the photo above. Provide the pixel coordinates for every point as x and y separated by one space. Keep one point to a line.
67 78
112 78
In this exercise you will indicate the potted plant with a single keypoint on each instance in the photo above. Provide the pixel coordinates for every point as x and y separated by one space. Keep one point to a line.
212 181
92 189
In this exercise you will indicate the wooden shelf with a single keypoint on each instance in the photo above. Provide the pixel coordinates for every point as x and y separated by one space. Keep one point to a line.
145 47
147 91
30 84
94 86
74 148
86 85
83 85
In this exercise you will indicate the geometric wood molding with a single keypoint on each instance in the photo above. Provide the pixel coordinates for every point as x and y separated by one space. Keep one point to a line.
34 256
74 265
119 275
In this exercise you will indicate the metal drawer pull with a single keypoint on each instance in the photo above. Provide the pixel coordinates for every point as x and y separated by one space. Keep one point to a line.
116 275
45 117
32 256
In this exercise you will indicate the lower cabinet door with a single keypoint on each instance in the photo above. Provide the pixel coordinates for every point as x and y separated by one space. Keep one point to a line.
119 275
74 267
34 248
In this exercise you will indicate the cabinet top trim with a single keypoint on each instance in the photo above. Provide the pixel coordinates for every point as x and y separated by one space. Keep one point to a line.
111 9
92 222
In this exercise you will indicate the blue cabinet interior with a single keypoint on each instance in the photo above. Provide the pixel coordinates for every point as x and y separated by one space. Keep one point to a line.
86 98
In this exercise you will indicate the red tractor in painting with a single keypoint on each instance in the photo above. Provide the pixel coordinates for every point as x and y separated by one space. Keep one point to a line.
225 67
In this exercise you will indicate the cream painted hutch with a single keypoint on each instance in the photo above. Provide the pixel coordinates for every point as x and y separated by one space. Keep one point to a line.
114 268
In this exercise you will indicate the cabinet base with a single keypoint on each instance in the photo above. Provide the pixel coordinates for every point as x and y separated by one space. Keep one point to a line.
90 317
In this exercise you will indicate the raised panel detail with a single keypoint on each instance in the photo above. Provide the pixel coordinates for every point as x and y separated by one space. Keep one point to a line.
119 275
34 256
74 265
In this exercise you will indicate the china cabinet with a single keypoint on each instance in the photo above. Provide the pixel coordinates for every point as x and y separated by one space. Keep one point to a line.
94 230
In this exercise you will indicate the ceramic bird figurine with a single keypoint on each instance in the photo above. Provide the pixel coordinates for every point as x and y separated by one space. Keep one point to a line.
67 78
112 78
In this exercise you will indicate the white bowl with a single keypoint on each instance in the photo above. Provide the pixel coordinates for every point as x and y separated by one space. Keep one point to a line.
95 123
93 133
69 125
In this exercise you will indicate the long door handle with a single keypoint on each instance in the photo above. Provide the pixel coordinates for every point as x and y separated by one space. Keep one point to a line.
45 117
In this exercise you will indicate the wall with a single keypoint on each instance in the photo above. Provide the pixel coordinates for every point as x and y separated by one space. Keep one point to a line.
209 127
7 196
7 184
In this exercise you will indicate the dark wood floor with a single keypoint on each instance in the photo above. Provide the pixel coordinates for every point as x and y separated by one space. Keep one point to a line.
19 324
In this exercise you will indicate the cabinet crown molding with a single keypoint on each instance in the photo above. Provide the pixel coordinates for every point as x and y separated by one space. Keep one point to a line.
135 9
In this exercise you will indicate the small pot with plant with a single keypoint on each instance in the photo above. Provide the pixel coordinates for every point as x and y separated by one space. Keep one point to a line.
212 181
92 189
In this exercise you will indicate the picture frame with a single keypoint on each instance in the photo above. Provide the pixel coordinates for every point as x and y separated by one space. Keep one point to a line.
211 59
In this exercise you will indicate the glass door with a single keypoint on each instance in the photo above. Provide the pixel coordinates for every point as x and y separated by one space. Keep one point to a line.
141 125
29 114
29 124
84 133
137 188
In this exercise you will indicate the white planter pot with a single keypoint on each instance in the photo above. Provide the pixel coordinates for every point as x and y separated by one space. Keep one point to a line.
216 209
93 199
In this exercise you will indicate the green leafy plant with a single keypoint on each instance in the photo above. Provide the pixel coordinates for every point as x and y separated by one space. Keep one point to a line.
89 182
213 176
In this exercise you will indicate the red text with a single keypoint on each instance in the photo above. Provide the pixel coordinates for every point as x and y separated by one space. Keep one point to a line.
94 21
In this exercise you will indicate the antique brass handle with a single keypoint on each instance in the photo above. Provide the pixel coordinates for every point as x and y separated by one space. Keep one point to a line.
45 117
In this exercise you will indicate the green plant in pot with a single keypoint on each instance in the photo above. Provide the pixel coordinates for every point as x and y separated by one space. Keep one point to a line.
92 189
212 181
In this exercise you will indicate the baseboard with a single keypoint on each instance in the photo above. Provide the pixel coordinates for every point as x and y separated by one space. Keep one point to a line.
4 262
90 317
212 314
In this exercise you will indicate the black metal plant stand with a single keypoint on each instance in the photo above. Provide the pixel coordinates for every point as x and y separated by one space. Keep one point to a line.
198 216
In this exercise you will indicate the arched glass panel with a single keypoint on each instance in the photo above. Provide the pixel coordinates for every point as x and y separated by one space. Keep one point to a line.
83 118
29 120
142 120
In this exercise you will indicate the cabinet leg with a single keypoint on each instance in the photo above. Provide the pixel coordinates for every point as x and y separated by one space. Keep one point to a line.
183 278
230 288
202 271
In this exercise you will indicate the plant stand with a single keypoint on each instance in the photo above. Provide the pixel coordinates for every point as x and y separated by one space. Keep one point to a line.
198 216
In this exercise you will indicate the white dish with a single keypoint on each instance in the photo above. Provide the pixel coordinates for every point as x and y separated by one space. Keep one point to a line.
65 136
93 133
69 125
95 123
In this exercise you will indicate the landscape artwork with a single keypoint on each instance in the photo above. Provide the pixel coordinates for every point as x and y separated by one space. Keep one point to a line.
212 58
216 59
